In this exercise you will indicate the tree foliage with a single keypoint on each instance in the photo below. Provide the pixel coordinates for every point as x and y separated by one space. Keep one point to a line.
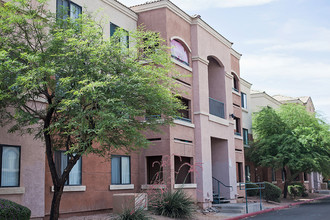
290 138
63 81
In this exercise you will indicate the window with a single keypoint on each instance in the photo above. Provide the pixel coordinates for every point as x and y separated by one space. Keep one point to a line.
178 52
235 83
283 175
245 136
247 174
120 170
239 172
244 100
66 8
237 123
10 165
305 177
61 161
182 169
185 113
124 39
273 175
154 170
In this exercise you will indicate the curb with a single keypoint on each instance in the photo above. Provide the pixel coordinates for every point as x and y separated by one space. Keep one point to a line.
274 209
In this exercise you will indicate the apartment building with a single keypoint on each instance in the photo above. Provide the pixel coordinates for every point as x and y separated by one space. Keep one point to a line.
210 136
200 153
255 103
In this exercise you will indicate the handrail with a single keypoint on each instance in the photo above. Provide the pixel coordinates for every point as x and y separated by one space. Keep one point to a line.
221 182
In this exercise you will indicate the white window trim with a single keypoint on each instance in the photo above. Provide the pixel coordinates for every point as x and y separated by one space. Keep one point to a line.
181 64
185 186
121 187
12 190
153 186
71 188
184 123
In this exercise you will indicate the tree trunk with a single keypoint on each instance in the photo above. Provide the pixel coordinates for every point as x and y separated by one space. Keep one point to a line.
286 183
55 208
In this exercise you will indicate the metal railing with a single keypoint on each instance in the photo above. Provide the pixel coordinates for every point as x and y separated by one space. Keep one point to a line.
260 186
218 185
217 108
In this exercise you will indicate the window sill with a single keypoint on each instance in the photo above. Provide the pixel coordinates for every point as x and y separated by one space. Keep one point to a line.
181 64
121 187
72 189
218 120
235 91
153 186
185 186
238 137
12 190
184 123
245 110
274 182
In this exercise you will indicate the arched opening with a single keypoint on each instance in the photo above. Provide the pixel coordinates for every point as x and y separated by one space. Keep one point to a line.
180 51
235 82
217 88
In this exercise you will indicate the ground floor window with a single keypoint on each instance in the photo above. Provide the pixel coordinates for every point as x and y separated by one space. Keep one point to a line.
75 175
239 172
10 165
120 170
154 170
247 174
182 169
273 174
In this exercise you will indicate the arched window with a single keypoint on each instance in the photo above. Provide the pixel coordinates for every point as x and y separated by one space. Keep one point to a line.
179 52
235 82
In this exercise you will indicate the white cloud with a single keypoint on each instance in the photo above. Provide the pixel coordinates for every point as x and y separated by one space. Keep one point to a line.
206 4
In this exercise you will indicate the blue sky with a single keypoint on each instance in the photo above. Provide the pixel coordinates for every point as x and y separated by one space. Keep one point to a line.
285 43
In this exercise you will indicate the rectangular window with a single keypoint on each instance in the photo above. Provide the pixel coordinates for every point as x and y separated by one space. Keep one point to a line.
182 169
239 172
247 174
66 8
10 165
244 100
75 175
123 39
185 113
154 170
237 122
120 170
305 177
283 175
273 175
245 136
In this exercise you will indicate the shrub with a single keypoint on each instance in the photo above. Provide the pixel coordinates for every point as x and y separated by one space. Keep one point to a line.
12 210
300 187
251 192
272 192
138 214
294 191
174 205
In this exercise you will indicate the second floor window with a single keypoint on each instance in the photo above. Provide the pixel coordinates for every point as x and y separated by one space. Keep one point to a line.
237 122
67 8
75 176
244 100
120 170
245 136
124 39
185 113
10 165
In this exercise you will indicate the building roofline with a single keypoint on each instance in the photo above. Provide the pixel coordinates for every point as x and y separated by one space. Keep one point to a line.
122 8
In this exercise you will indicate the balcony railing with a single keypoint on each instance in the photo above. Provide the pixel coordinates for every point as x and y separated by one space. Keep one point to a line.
217 108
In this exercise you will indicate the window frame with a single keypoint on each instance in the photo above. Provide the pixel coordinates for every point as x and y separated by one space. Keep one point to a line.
185 50
243 100
245 136
58 166
69 8
181 161
187 103
238 129
130 171
19 164
113 28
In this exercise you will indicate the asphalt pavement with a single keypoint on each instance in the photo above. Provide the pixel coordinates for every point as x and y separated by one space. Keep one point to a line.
316 210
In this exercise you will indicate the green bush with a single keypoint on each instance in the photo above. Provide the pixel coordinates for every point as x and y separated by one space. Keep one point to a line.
294 191
251 192
14 211
300 187
138 214
271 192
174 205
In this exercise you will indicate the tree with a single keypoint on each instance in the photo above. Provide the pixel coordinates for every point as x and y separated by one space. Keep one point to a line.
64 82
290 139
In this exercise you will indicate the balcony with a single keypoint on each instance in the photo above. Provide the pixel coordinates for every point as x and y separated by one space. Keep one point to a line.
217 108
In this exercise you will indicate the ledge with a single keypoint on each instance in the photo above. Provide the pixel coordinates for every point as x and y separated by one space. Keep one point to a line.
121 187
153 186
184 123
235 92
245 110
12 190
71 189
181 64
185 186
238 137
218 120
